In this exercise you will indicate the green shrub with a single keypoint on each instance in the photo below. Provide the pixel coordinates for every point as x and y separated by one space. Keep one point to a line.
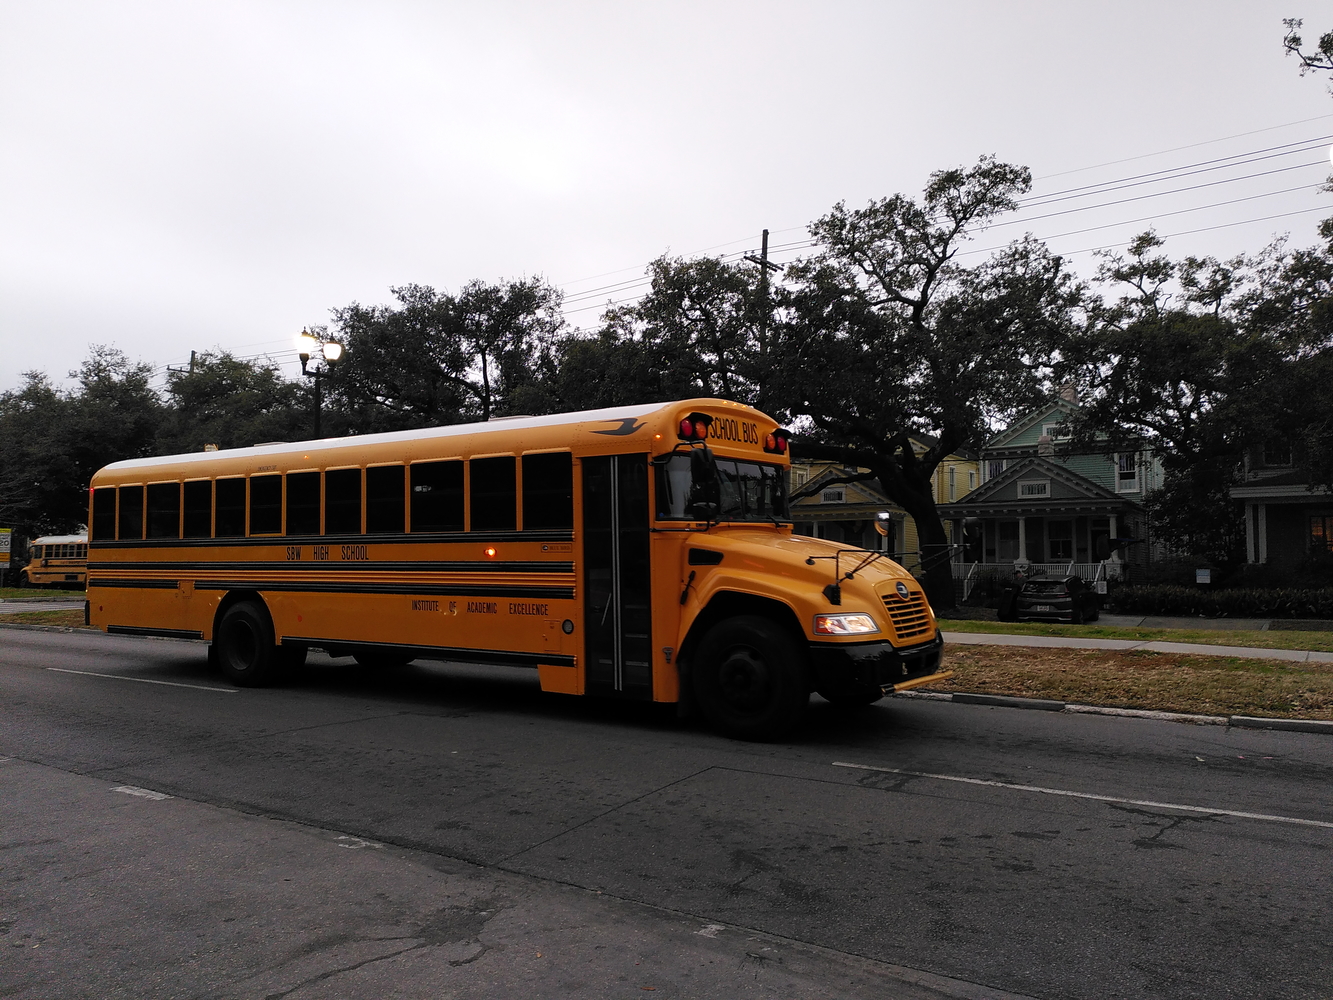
1166 599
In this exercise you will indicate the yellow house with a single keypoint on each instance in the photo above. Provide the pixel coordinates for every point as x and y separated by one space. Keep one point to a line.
846 512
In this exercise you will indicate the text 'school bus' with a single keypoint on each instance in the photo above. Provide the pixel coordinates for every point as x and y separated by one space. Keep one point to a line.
641 552
56 561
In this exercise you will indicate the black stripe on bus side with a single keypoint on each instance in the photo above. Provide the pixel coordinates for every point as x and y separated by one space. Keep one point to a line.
442 652
305 566
403 589
140 584
422 538
163 633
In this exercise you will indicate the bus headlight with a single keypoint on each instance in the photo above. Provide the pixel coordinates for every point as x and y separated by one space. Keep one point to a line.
844 624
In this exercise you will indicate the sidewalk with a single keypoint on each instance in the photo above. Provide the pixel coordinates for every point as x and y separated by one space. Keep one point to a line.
1155 646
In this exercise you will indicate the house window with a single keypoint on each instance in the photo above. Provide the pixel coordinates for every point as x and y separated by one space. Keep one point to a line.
1057 431
1034 488
971 481
1321 533
838 495
1127 472
953 483
1277 452
1060 540
994 467
1006 549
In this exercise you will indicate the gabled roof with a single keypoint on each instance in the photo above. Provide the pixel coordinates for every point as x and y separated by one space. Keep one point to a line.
1069 493
865 492
1057 407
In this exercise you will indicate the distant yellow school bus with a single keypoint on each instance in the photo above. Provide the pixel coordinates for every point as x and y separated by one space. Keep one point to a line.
56 561
642 552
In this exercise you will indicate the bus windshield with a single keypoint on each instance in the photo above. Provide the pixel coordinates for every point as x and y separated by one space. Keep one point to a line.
750 491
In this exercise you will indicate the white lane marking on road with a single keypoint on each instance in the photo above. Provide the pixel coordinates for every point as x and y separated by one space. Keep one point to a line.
143 680
710 930
1266 817
143 793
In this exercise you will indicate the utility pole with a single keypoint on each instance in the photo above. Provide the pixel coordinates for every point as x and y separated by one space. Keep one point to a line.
765 265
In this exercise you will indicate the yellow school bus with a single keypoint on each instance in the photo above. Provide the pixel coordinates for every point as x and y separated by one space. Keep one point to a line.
56 561
641 552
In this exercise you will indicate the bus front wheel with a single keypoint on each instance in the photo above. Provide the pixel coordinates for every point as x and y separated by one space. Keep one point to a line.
246 652
749 679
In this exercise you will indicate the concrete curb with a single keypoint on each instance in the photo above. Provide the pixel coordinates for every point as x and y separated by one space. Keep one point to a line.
1006 701
1047 705
1289 725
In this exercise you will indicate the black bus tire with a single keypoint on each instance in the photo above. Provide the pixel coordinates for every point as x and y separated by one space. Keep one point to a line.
245 651
750 680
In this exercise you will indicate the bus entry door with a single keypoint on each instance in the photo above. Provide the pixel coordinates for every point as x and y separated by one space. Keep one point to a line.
617 601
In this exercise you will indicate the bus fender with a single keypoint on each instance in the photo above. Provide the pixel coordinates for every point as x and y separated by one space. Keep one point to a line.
234 597
723 604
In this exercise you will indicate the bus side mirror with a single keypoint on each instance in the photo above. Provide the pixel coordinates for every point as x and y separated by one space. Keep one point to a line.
705 498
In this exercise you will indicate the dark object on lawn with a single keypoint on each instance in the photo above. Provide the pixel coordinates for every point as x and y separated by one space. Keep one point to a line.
1056 599
1008 610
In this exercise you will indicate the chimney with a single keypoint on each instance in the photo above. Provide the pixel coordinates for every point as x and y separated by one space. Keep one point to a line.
1069 393
1044 446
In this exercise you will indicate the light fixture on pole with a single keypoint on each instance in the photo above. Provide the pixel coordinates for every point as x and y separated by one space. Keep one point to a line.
329 351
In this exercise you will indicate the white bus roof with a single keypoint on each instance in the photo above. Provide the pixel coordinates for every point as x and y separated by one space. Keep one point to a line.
59 539
417 434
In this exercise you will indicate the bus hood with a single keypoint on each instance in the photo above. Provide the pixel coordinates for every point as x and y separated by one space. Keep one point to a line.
776 551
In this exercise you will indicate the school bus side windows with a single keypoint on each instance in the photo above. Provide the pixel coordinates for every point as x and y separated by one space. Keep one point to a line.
230 508
104 514
493 489
130 521
437 496
198 509
164 510
548 491
342 502
385 499
302 503
266 505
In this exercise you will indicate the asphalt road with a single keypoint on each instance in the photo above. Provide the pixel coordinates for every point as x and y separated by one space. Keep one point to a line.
449 830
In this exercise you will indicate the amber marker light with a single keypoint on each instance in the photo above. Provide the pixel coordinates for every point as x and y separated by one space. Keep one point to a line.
490 552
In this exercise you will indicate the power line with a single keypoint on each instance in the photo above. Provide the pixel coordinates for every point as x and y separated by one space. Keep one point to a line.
1110 186
1158 194
1177 149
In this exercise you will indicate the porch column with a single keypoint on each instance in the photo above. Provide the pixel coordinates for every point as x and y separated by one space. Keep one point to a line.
1115 533
1023 538
1263 532
1251 539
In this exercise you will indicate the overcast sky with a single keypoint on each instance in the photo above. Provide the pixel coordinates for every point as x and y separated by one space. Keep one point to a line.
178 176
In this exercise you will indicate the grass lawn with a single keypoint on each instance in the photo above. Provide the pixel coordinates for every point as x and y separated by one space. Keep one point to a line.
50 594
1321 641
72 618
1167 682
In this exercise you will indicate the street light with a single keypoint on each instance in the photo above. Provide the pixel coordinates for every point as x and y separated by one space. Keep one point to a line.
329 351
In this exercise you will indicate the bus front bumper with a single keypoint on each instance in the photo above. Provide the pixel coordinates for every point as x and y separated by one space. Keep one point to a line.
882 664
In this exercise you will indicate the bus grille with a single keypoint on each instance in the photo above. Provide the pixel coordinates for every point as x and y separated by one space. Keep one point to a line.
910 617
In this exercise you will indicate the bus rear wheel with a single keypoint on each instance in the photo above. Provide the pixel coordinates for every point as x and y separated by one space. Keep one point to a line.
246 652
749 679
